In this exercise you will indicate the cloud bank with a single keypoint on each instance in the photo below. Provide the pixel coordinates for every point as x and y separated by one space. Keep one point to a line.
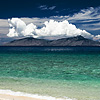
88 19
51 28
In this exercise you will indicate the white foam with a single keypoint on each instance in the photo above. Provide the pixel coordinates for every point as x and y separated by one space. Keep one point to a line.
9 92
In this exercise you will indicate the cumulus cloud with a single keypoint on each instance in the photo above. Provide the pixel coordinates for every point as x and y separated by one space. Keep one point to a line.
61 29
19 28
51 28
86 19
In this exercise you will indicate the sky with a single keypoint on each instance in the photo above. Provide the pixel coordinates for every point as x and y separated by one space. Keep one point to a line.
82 15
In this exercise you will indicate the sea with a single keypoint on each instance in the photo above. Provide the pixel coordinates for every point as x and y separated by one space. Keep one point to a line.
54 73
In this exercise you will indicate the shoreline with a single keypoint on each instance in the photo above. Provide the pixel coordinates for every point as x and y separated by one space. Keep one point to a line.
11 95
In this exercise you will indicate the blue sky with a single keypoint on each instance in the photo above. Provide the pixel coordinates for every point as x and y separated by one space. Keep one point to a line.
43 8
85 14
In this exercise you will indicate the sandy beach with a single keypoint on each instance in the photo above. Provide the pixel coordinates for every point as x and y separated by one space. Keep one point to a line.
11 97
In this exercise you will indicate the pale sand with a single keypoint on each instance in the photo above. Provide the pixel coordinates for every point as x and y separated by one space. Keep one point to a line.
10 97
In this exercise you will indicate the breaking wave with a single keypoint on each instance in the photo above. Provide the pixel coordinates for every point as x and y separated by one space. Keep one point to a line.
12 93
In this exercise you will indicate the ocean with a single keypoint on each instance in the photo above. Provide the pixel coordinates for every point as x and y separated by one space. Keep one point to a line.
60 72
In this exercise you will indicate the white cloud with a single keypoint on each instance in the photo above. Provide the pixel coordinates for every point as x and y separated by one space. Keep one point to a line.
90 13
50 29
45 7
19 28
37 21
53 7
97 38
86 19
89 19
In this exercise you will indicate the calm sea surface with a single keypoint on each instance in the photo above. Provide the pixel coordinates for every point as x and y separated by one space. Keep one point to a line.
72 72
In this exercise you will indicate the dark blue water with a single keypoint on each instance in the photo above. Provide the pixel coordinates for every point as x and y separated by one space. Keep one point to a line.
61 49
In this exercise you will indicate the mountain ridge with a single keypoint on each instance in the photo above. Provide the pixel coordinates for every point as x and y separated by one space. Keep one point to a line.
72 41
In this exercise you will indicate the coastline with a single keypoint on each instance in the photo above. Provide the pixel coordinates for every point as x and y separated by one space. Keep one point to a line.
11 95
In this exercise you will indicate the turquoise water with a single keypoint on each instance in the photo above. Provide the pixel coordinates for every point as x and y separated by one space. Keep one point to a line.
56 71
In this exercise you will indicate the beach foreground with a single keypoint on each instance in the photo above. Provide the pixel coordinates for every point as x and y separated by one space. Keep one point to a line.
11 97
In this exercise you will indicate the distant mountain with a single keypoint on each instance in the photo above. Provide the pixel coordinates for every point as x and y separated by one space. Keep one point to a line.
72 41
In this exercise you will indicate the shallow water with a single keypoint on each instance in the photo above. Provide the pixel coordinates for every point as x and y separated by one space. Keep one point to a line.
72 72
